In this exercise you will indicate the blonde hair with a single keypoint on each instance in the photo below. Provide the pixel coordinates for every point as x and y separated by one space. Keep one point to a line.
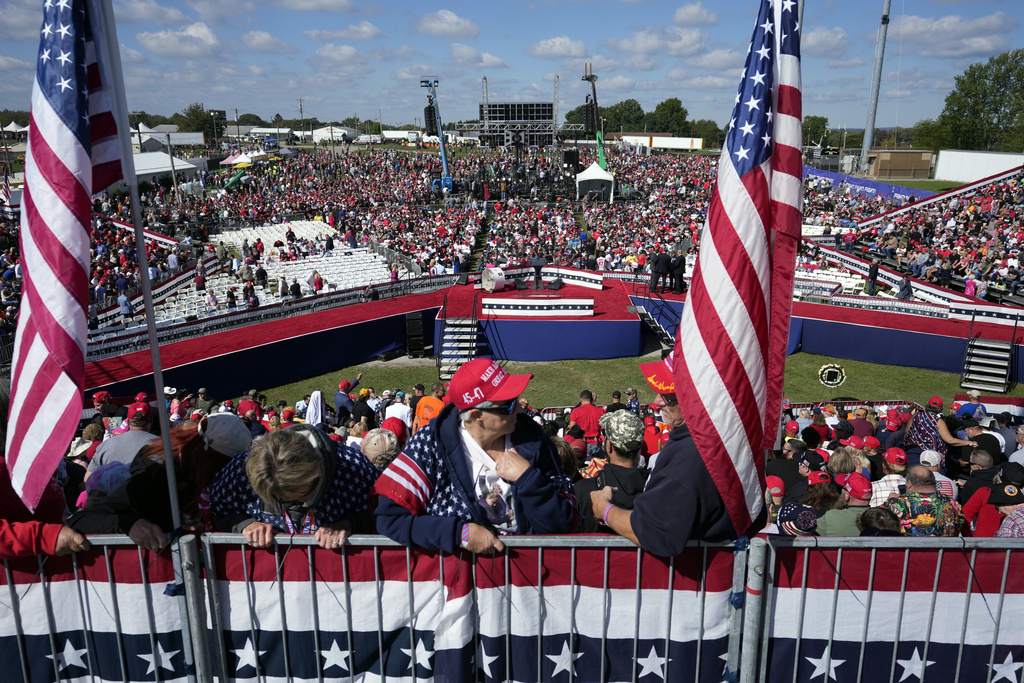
843 461
282 467
274 424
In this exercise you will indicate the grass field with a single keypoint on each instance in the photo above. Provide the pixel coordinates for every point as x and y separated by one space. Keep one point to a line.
559 383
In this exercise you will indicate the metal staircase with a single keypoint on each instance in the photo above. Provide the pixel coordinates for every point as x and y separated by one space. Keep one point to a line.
657 314
460 341
988 363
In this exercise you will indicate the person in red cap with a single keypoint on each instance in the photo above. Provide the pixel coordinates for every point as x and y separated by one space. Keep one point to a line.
106 409
680 501
927 430
479 470
125 446
894 467
856 495
342 400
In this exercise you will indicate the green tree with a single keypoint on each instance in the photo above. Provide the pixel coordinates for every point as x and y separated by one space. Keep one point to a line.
985 109
815 128
195 119
574 115
930 134
669 117
710 131
626 115
251 120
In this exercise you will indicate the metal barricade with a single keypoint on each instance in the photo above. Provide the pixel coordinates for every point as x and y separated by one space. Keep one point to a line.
886 609
112 613
584 608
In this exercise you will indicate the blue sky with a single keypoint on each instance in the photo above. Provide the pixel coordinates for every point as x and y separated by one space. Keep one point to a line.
346 57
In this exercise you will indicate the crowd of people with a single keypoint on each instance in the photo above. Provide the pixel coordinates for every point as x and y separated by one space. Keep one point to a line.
465 464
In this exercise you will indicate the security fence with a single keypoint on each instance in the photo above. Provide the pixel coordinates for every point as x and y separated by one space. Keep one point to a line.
576 608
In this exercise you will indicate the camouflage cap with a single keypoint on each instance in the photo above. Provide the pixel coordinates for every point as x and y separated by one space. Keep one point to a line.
624 429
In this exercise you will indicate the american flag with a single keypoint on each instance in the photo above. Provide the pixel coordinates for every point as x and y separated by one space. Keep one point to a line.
7 187
72 152
730 350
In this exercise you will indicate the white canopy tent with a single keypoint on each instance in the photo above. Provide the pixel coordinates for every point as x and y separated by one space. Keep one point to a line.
13 127
152 165
596 180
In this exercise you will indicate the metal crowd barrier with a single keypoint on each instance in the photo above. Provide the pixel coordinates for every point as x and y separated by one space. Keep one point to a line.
577 608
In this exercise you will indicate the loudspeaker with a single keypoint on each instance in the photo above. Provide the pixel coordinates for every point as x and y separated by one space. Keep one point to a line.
556 283
463 279
571 159
521 283
414 335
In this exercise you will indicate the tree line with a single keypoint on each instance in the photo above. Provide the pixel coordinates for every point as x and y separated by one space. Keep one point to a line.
669 116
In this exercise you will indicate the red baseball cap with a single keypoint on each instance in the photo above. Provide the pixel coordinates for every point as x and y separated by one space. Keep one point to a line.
287 415
792 426
140 411
871 442
856 484
775 484
482 379
660 374
853 442
818 478
344 386
101 396
936 402
896 456
892 424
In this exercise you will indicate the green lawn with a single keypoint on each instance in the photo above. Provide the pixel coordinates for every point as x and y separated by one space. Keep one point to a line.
559 383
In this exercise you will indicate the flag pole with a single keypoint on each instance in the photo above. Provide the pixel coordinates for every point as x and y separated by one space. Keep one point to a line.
120 105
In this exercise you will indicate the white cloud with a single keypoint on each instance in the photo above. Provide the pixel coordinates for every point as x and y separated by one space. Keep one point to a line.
672 41
390 54
22 21
845 63
837 96
446 24
130 56
414 72
364 30
695 14
954 36
261 41
899 93
618 83
557 48
600 64
345 6
717 60
467 55
12 64
825 42
222 12
192 41
148 12
341 55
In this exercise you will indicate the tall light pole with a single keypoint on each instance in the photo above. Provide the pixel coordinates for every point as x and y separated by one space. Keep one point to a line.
876 84
213 115
300 119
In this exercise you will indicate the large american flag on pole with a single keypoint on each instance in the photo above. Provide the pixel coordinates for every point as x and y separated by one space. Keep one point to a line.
730 350
72 153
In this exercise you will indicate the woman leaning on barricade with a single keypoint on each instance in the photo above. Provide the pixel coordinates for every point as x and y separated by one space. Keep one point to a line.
294 481
141 506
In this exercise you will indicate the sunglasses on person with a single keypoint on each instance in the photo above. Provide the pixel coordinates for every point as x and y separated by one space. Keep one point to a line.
502 408
669 399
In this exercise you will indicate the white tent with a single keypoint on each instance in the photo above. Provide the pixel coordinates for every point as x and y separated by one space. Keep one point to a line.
596 180
152 165
12 127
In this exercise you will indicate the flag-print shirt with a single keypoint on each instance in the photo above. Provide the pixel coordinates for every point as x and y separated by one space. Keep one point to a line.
427 494
350 473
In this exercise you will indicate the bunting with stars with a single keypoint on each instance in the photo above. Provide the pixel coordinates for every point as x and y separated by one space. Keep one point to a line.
731 348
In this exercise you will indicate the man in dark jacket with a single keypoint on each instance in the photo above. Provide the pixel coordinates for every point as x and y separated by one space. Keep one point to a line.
623 435
660 266
679 271
479 470
680 501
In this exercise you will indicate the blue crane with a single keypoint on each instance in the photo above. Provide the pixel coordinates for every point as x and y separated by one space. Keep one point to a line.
433 113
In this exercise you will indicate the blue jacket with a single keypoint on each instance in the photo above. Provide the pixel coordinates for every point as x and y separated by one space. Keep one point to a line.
427 494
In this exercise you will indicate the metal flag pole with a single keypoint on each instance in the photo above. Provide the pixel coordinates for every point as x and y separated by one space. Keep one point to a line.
196 655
